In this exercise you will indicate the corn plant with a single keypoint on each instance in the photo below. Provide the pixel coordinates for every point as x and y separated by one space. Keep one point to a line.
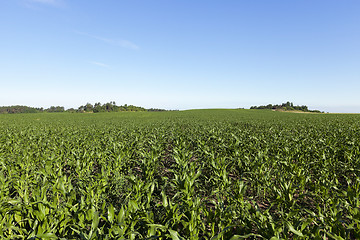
204 174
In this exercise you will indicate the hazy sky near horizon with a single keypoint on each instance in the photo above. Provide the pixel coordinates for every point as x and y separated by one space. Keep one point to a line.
181 54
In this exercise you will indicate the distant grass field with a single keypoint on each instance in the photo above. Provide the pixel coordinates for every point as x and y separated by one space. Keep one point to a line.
197 174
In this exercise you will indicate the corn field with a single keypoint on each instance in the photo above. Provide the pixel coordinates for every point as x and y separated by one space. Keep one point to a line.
200 174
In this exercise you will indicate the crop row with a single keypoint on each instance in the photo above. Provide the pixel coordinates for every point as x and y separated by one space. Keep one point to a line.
217 174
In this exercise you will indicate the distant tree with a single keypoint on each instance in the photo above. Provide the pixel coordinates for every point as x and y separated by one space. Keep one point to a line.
88 107
155 110
284 106
108 107
55 109
98 108
19 109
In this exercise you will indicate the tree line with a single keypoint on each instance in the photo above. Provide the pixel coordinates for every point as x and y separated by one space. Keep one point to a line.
288 106
87 108
20 109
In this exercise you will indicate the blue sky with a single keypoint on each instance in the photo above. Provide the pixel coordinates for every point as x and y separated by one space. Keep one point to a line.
181 54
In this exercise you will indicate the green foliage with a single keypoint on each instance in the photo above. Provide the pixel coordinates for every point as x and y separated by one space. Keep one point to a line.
156 110
55 109
288 106
201 174
89 108
19 109
109 107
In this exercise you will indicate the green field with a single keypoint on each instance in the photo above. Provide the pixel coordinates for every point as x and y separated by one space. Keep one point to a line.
199 174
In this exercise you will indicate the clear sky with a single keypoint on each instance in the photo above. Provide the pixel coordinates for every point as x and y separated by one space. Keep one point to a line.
181 54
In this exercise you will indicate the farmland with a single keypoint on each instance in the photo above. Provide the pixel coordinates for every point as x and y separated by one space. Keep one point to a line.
199 174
